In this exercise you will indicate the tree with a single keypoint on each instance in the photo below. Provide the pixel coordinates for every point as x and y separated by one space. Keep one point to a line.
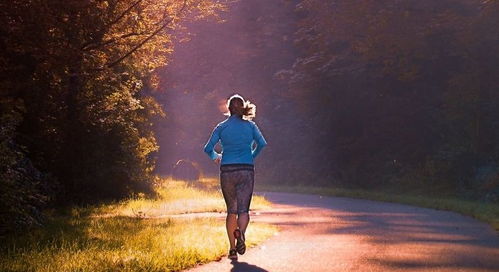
80 74
404 85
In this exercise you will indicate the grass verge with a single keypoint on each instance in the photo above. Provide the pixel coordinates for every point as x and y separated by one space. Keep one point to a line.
486 212
82 239
177 197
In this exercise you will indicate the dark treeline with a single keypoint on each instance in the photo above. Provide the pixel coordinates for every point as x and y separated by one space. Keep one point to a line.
365 94
76 79
404 93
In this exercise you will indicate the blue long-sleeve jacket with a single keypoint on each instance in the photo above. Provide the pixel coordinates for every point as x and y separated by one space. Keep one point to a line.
236 137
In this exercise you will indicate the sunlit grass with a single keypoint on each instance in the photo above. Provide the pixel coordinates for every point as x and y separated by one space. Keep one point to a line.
178 197
83 239
122 244
487 212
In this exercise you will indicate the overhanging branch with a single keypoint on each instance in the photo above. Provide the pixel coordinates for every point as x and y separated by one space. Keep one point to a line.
116 20
154 33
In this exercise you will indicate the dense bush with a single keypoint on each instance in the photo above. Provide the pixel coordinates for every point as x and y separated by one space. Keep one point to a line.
404 93
24 191
76 79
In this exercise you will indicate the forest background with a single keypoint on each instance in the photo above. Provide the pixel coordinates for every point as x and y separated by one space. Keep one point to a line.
99 97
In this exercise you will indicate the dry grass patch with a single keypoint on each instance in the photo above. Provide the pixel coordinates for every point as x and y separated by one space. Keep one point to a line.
178 197
82 239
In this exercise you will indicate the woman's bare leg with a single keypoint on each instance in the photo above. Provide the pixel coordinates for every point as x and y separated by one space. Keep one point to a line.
231 225
242 222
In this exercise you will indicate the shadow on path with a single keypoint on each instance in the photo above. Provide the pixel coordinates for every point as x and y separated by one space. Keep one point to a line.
362 235
245 267
393 236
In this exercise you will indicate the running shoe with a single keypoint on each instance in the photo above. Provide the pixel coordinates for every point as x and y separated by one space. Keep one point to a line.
240 245
232 255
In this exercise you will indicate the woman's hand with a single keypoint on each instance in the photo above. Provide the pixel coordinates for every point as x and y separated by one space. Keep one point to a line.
218 159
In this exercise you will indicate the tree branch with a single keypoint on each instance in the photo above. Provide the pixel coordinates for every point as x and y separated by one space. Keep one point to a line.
124 13
135 48
116 20
110 41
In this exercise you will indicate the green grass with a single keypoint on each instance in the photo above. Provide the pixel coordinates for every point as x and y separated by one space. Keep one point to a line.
177 197
486 212
109 238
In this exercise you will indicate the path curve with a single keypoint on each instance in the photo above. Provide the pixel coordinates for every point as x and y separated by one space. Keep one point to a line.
341 234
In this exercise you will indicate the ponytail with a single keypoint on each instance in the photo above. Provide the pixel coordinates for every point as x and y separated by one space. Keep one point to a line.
238 106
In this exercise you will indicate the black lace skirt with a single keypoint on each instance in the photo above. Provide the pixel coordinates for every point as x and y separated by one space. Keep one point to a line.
237 181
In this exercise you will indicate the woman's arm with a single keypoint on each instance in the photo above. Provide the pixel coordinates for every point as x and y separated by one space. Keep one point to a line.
260 141
209 148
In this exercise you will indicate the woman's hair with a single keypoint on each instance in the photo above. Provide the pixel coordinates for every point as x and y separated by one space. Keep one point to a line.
238 106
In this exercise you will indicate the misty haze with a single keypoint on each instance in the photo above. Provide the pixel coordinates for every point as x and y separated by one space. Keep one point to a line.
128 141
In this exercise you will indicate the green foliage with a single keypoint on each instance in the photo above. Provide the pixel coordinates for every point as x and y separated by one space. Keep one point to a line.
406 90
82 74
20 190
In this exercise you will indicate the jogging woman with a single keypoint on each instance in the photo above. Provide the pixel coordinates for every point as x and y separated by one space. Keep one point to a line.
237 135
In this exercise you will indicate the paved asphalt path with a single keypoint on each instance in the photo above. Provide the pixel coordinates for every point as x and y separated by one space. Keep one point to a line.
342 234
